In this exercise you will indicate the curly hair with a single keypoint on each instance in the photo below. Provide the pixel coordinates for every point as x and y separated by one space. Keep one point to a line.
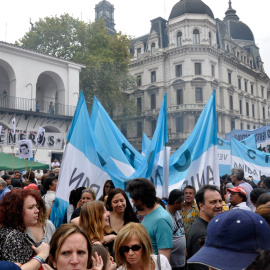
129 215
11 207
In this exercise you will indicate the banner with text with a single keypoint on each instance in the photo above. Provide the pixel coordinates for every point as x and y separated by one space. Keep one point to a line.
262 135
49 141
255 163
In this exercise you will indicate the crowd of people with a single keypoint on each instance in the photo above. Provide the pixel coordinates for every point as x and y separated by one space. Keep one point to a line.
226 227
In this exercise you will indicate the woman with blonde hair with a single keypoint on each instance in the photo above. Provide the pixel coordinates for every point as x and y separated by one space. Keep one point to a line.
88 195
133 250
94 218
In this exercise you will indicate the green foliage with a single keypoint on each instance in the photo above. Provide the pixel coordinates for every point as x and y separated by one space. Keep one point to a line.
106 57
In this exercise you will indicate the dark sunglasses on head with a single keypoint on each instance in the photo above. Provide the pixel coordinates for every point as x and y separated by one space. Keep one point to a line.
133 248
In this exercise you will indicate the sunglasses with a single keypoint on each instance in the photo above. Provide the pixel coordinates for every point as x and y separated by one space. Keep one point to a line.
126 249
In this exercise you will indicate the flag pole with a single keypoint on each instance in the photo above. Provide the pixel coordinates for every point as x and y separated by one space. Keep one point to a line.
33 159
13 152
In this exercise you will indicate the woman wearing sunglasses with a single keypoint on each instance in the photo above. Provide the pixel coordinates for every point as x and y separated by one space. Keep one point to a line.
133 250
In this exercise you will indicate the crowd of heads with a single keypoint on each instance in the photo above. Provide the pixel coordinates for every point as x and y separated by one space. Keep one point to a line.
240 233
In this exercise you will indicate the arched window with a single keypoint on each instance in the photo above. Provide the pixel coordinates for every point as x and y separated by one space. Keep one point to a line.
153 46
179 39
210 38
196 36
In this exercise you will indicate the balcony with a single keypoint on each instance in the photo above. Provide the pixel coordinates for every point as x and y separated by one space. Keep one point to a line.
24 104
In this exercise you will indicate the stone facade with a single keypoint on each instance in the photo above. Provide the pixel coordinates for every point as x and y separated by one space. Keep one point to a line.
188 56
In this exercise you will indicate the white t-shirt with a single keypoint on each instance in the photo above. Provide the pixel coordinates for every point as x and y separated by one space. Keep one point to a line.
57 164
164 263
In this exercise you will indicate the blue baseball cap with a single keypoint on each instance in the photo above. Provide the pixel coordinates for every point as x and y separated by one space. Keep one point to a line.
234 239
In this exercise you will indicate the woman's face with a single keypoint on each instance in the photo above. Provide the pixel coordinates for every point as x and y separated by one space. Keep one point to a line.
106 215
87 197
30 211
73 253
108 188
118 203
133 257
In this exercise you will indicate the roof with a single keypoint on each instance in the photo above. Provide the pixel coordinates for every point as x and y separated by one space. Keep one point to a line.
19 164
190 6
239 30
39 53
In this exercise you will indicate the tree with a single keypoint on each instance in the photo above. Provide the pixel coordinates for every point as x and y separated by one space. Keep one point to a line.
106 57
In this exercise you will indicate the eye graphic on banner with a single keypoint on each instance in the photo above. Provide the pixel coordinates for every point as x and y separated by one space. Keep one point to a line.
25 149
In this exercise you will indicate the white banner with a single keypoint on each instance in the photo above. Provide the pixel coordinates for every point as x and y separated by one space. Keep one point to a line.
49 141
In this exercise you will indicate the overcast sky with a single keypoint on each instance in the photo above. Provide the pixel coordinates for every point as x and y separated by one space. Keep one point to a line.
132 17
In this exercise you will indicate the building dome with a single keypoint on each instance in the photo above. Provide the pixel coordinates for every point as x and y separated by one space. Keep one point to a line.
237 29
190 6
107 3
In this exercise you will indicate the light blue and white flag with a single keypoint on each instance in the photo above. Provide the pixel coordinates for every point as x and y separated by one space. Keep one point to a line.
254 162
84 162
262 136
125 156
195 162
224 152
145 143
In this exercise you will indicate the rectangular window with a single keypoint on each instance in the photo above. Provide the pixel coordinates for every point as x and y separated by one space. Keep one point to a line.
229 77
240 106
251 88
139 129
232 124
139 104
231 102
197 118
139 53
124 130
239 83
179 96
263 113
153 126
179 124
139 80
248 126
241 126
153 101
213 70
253 110
178 70
198 68
247 108
246 86
199 94
262 89
153 76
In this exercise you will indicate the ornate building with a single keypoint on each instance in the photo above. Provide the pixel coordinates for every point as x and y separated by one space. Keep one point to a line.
105 10
38 90
188 56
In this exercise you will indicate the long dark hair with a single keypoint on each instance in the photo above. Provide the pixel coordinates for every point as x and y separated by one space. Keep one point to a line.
104 194
129 215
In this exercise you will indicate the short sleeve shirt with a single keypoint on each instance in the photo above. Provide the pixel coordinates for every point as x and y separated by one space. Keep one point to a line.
189 217
159 226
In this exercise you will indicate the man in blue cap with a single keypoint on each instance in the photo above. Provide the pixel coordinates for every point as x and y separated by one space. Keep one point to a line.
234 240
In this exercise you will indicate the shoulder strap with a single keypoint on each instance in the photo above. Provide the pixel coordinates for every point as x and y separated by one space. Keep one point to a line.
158 262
